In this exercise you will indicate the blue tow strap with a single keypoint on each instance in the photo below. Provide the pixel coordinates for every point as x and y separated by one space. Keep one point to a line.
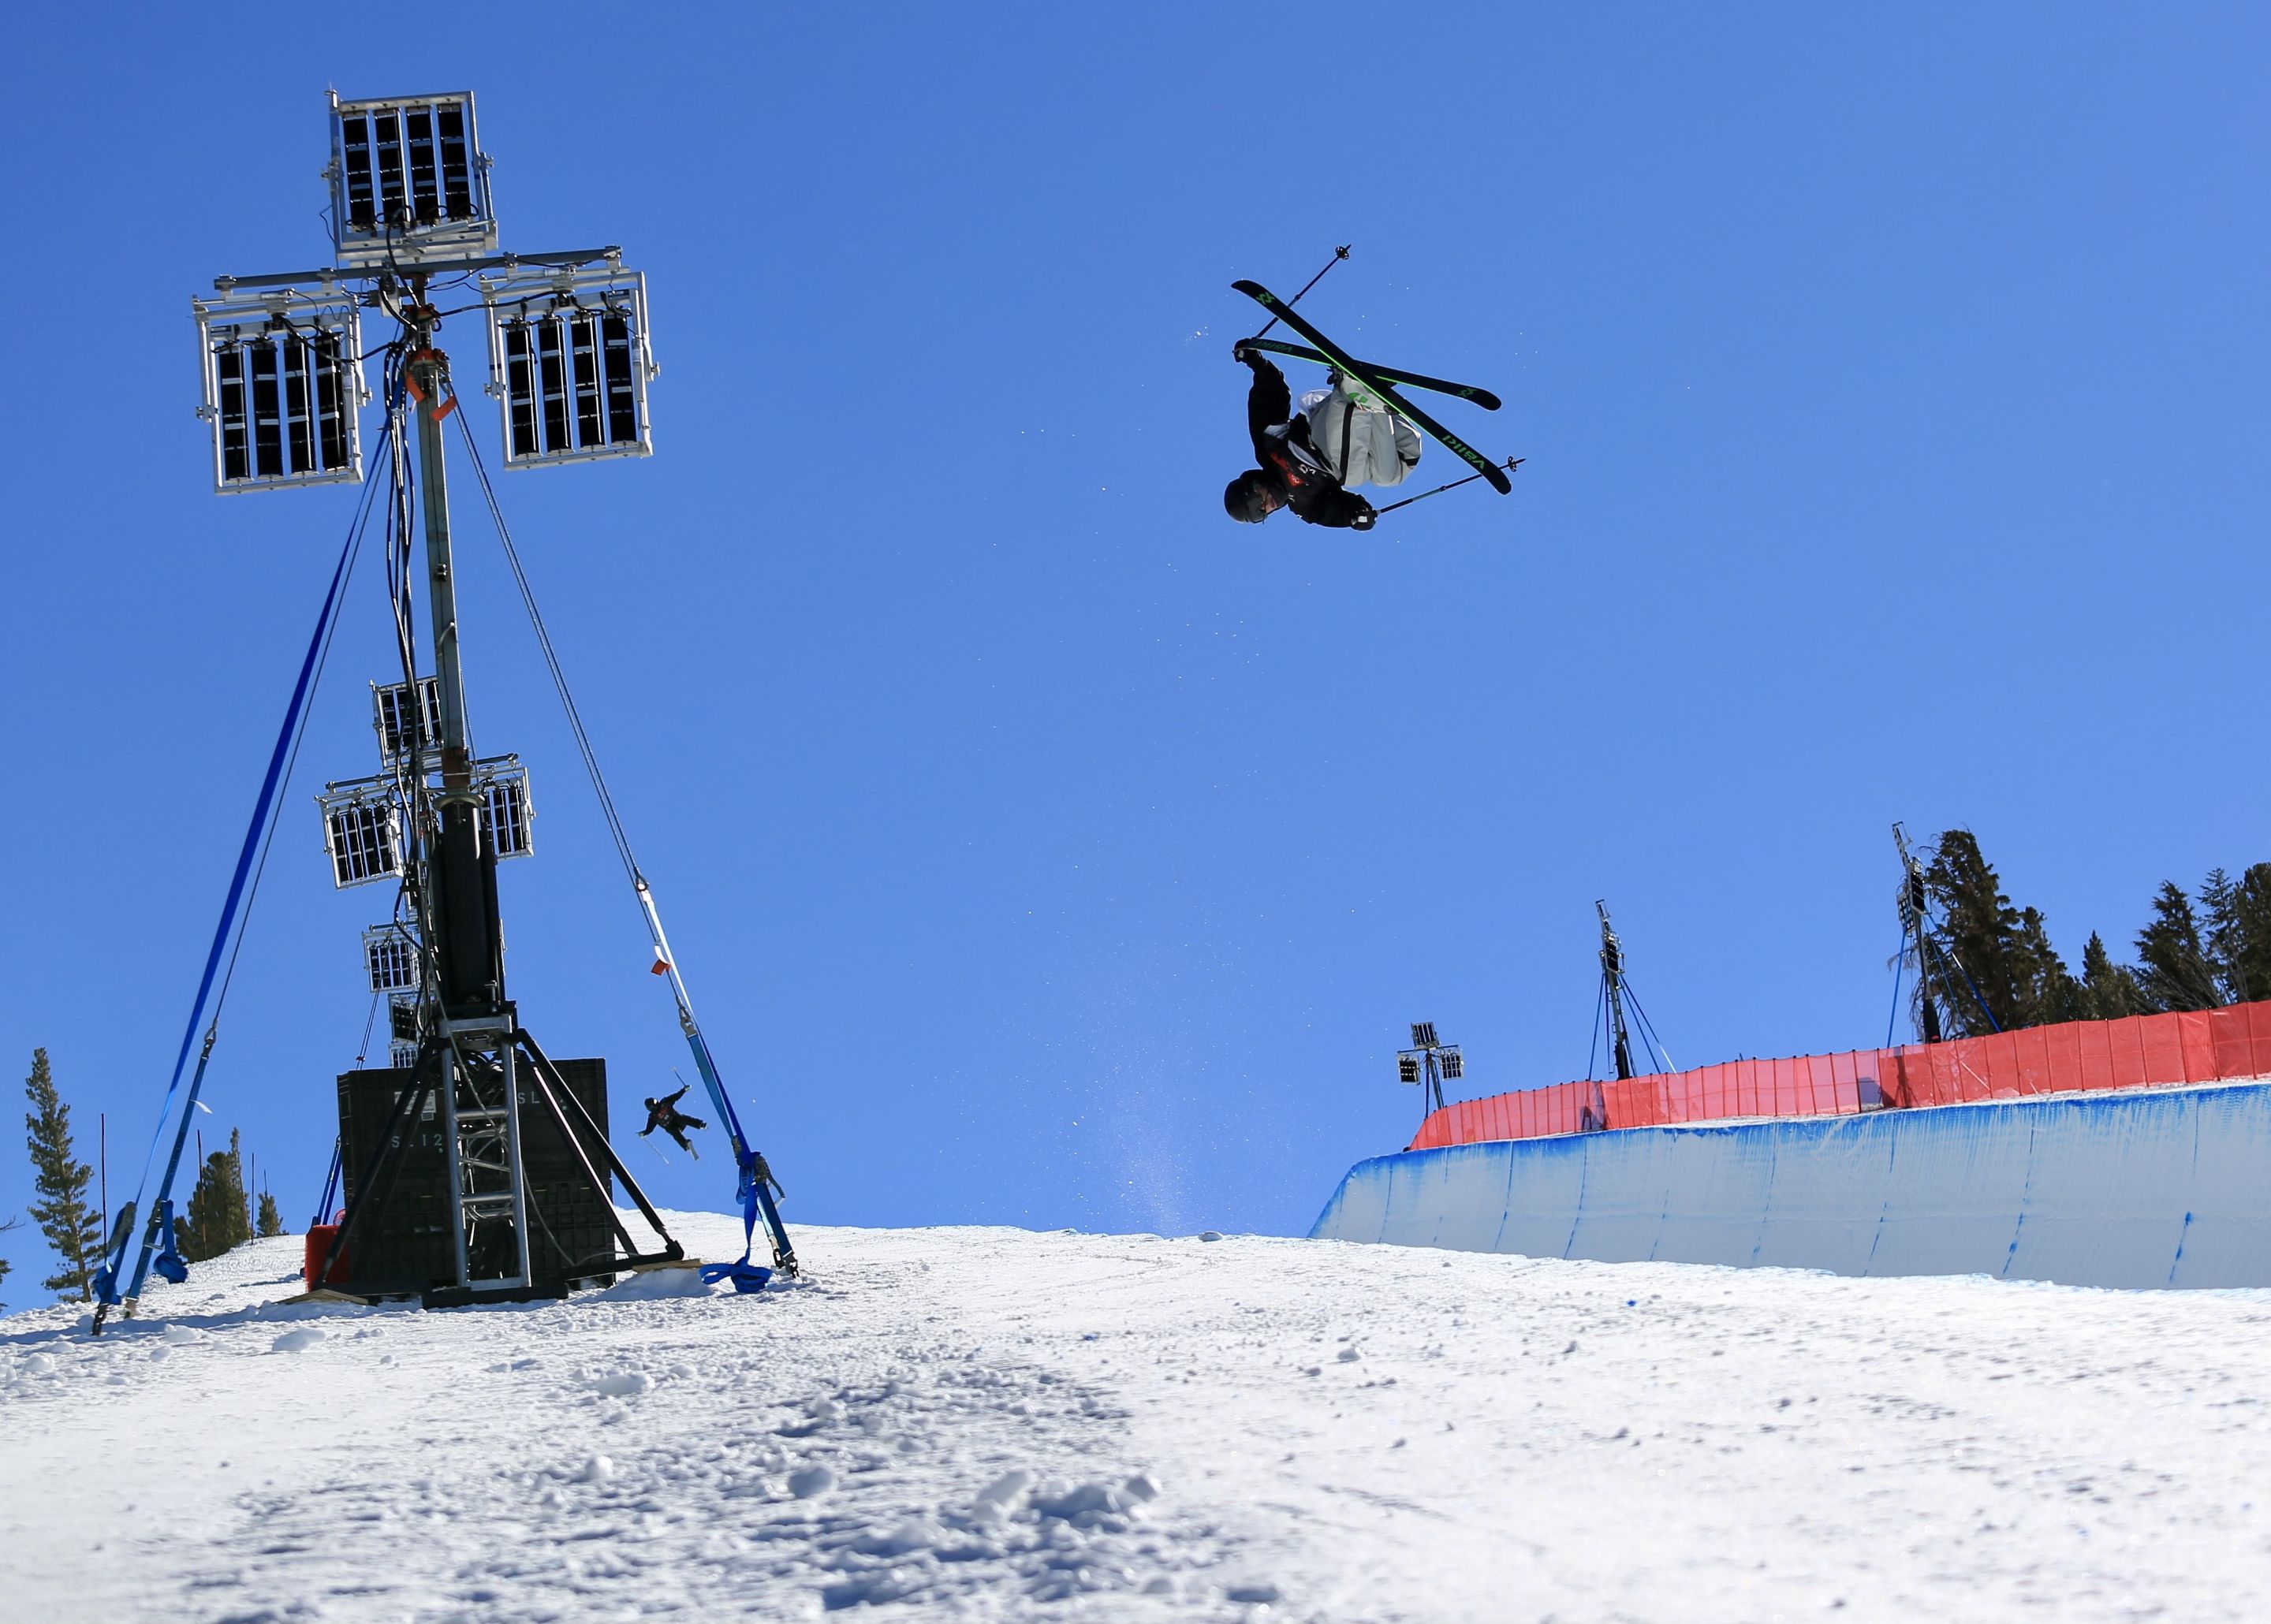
160 1228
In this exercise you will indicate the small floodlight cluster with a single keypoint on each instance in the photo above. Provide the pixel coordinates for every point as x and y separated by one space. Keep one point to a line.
507 817
390 954
1429 1060
568 362
362 831
409 181
399 726
283 385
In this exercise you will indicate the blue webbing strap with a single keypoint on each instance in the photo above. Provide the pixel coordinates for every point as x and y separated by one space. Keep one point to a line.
106 1281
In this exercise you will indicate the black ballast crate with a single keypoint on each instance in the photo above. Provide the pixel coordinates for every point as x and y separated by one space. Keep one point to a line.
404 1242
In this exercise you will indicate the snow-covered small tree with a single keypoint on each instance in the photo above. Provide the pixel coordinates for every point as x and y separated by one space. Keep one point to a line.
72 1228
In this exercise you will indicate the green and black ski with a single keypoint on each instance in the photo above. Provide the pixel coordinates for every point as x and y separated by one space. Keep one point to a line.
1370 380
1474 392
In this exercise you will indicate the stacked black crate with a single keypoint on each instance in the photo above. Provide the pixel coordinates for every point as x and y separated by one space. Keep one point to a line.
569 1237
403 1241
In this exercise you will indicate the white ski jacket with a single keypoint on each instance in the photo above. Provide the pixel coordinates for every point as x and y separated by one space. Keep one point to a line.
1359 446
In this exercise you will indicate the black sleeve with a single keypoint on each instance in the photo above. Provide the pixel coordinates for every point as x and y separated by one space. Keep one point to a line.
1332 506
1267 403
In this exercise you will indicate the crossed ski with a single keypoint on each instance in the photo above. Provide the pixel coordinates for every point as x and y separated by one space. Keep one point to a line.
1474 392
1373 379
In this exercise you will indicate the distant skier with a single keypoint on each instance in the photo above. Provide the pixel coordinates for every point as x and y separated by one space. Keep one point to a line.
1342 436
664 1113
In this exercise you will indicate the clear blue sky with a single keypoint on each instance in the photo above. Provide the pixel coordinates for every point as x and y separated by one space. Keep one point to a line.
1043 848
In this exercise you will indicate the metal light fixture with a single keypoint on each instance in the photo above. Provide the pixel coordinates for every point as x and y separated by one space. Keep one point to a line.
507 816
362 831
409 181
569 362
390 954
1429 1061
393 719
283 386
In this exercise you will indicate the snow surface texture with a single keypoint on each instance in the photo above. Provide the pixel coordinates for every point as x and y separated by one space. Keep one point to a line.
2154 1189
988 1424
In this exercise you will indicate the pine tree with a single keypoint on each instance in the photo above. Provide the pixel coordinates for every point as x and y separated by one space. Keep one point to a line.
2002 972
217 1219
2109 991
2174 970
270 1221
2237 931
74 1232
4 1264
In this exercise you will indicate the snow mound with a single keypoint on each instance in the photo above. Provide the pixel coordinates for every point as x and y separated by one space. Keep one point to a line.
993 1426
647 1285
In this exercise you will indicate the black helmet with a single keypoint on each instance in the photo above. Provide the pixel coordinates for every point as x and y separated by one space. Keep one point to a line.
1252 497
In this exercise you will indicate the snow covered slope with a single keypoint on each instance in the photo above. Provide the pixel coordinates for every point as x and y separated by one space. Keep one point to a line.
987 1424
2161 1187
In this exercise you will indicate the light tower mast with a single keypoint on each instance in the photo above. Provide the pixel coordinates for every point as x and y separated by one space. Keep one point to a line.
1612 992
568 362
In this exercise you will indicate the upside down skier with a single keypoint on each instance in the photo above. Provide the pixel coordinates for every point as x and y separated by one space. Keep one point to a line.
664 1113
1340 436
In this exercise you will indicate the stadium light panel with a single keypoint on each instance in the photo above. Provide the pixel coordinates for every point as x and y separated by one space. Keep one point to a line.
1407 1069
402 1018
569 362
507 818
392 718
283 386
390 954
1453 1067
409 182
1423 1034
362 832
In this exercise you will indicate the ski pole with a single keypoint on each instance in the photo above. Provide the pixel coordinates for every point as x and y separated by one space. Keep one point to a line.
1510 465
1339 254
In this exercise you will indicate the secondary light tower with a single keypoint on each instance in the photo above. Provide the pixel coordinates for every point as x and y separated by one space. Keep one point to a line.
414 226
1429 1063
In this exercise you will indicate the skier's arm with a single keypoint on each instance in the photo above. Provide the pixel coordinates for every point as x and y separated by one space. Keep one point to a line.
1338 508
1269 403
675 1098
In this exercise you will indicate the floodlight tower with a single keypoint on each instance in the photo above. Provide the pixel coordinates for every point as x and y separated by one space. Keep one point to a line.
1429 1063
411 213
1612 992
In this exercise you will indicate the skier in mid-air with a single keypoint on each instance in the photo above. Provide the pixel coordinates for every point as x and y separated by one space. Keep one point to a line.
1342 436
664 1113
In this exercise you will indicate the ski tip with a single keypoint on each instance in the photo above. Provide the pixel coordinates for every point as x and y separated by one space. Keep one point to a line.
1254 290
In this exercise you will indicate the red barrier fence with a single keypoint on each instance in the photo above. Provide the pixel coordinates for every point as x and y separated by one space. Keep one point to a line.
2143 1051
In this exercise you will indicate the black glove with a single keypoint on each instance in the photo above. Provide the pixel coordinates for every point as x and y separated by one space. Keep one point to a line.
1252 358
1364 521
